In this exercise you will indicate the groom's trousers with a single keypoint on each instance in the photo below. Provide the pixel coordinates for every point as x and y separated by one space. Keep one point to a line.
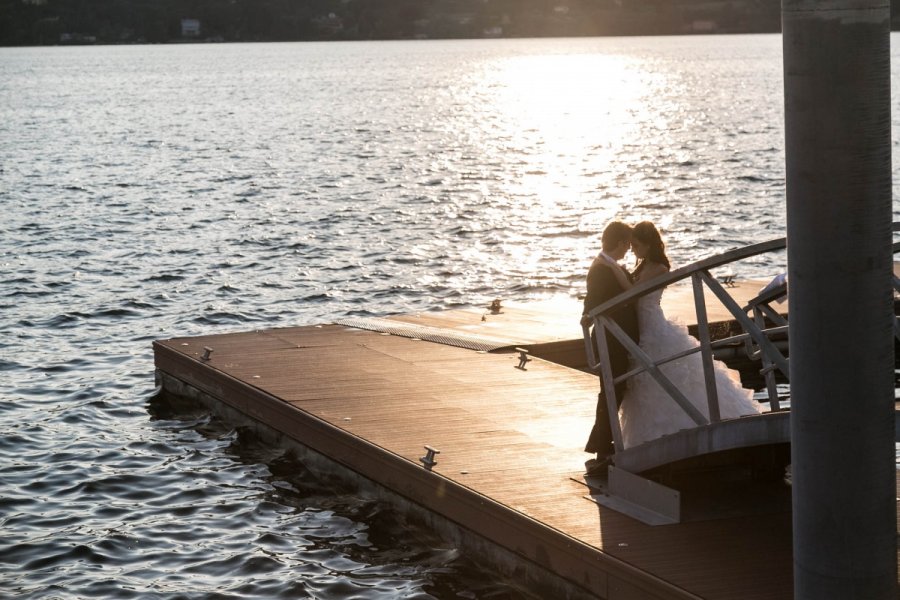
601 440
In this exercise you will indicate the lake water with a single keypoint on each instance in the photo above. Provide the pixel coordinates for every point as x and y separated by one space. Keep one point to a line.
160 191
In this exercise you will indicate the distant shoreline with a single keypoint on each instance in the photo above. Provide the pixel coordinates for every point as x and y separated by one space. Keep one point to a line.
188 42
69 23
181 41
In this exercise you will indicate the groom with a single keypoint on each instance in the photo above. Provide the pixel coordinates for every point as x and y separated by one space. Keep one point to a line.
601 286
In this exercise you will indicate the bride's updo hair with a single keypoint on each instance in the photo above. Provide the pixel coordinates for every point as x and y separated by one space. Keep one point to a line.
646 233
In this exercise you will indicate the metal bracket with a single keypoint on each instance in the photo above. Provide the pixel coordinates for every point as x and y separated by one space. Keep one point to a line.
768 369
639 498
428 460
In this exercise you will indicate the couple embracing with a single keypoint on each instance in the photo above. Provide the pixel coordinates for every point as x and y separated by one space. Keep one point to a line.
646 411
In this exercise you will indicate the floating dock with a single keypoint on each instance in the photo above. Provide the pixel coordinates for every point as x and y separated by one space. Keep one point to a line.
367 396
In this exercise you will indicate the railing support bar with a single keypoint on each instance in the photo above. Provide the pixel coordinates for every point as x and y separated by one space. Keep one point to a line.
647 362
609 385
749 326
767 370
709 373
771 314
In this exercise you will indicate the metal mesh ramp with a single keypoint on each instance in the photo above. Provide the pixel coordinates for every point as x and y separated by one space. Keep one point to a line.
448 337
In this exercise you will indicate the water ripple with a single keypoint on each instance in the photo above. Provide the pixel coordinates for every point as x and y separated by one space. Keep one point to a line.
286 198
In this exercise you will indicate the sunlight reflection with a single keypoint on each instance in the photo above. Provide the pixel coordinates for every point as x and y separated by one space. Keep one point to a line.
553 145
566 131
574 114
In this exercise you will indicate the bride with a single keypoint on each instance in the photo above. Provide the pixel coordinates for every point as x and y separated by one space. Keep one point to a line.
648 412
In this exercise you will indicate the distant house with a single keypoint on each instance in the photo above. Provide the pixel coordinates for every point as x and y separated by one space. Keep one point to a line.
329 24
76 39
190 27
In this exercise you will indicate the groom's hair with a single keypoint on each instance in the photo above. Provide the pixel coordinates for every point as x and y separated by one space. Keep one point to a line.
615 233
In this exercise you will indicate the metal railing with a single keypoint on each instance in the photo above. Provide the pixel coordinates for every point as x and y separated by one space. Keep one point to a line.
761 324
759 321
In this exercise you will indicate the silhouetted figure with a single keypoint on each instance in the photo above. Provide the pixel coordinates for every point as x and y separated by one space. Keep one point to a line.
602 285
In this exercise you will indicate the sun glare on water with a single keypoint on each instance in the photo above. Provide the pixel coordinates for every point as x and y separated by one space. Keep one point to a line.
563 130
575 113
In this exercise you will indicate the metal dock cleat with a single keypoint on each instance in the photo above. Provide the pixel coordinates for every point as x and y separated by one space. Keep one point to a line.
428 460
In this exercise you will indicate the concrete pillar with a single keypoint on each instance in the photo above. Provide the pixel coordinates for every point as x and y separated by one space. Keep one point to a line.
838 167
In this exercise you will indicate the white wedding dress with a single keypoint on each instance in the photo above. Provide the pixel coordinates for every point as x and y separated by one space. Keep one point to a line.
647 411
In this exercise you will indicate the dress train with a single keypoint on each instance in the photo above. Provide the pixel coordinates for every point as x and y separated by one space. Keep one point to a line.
647 411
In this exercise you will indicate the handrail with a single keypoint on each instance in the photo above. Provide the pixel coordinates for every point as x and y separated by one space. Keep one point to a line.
756 336
758 320
686 271
673 277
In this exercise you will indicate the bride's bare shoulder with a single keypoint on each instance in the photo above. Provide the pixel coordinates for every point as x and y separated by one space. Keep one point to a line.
652 270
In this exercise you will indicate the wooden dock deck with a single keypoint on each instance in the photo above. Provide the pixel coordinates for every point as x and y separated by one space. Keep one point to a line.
510 439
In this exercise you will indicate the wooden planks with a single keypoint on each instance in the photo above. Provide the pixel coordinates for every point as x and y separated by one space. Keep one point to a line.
511 451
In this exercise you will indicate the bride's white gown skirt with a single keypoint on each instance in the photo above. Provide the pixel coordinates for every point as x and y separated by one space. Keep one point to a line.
647 411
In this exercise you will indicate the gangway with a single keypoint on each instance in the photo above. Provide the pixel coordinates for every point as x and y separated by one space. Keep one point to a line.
763 334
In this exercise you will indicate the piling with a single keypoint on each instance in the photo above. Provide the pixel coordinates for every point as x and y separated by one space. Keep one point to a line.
838 171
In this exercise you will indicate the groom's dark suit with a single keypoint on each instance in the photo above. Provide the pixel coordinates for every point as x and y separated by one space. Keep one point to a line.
602 285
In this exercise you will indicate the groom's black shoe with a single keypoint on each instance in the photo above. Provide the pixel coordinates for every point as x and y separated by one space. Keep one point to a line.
598 467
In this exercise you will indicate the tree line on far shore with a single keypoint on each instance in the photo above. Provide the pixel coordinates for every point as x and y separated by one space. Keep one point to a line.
51 22
48 22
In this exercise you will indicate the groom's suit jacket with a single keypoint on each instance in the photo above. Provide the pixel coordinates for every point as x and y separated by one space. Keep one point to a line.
602 285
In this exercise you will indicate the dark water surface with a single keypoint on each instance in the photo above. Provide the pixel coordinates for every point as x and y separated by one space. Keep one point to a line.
159 191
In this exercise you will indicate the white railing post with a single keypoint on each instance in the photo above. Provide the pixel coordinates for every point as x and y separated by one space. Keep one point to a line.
768 369
653 369
778 359
709 373
609 383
